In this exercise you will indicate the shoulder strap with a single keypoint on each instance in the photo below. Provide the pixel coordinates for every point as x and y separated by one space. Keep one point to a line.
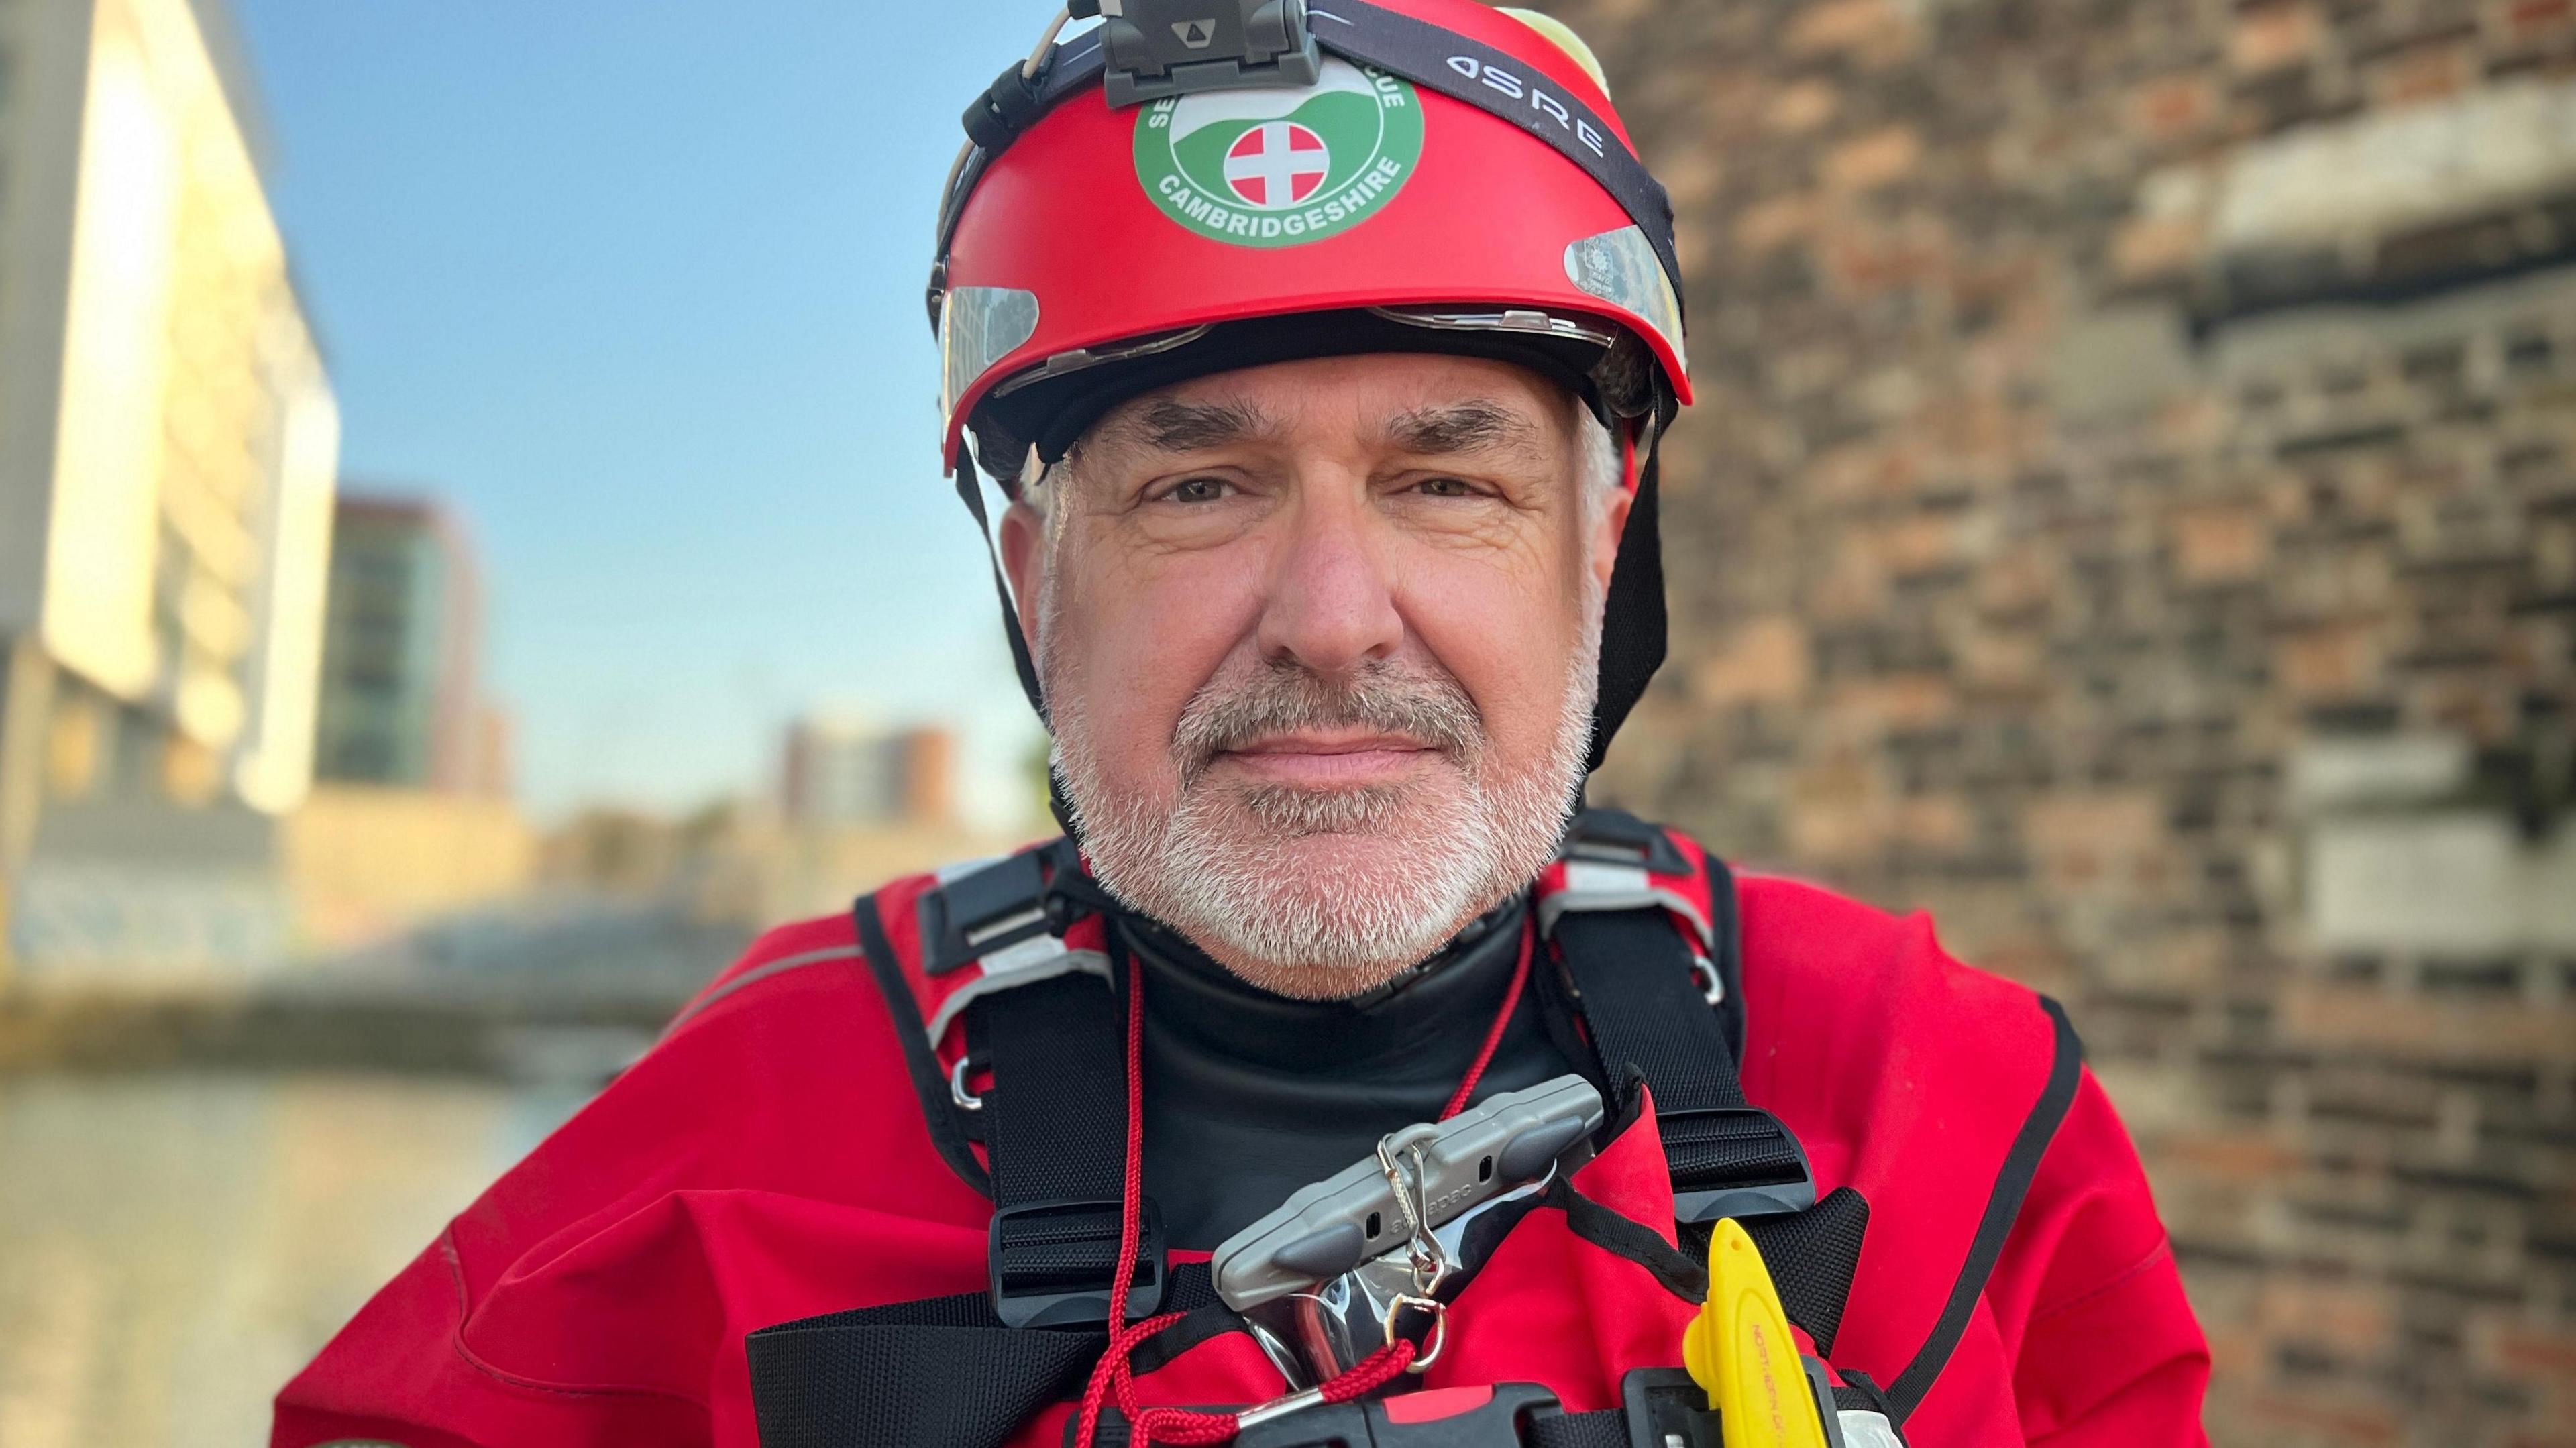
1638 930
1000 983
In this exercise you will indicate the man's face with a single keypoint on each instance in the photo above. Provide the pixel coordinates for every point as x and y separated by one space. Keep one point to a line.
1319 644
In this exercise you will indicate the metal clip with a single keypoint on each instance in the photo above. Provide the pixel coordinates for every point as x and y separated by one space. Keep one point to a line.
1430 1261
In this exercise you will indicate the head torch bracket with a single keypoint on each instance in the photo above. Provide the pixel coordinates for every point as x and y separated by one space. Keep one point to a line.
1158 48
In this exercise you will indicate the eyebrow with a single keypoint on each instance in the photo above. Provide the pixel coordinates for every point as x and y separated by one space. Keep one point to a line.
1166 425
1474 426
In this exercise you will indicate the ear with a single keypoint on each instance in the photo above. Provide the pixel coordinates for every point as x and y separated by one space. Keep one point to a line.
1021 537
1614 517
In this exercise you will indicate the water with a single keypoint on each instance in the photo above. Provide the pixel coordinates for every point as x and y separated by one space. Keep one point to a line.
174 1246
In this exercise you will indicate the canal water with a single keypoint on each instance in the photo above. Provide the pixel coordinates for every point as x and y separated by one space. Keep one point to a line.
173 1246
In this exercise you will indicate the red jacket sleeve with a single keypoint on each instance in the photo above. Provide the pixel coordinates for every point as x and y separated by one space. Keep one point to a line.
2106 1351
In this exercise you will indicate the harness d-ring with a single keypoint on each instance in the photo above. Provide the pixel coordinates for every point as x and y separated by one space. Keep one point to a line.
1433 1341
1712 986
966 1100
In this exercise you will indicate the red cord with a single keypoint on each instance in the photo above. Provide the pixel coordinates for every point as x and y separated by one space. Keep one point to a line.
1112 1370
1114 1375
1494 1032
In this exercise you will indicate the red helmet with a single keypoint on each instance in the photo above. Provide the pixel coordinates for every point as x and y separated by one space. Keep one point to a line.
1201 185
1091 251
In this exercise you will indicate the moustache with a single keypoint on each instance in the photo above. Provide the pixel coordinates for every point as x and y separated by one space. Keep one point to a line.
1424 705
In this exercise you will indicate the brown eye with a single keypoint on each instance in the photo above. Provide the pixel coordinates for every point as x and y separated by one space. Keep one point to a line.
1447 488
1197 490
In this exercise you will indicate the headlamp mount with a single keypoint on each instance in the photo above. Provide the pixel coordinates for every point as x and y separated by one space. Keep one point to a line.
1159 48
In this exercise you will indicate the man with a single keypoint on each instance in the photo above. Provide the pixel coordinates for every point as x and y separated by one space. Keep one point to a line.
1323 356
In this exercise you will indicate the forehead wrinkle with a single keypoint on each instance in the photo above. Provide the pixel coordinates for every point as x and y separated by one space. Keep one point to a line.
1477 425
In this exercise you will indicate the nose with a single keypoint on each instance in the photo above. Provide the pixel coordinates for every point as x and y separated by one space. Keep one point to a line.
1330 605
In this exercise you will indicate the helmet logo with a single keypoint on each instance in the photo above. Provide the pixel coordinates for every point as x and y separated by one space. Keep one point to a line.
1279 166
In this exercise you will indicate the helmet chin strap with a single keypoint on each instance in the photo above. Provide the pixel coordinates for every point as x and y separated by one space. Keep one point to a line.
970 491
1633 631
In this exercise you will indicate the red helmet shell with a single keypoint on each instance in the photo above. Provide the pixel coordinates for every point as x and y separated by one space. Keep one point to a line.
1484 217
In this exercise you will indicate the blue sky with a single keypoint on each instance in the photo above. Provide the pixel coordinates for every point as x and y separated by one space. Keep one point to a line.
638 287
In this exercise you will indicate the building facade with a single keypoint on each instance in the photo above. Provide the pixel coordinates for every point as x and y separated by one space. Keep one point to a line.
845 773
168 442
401 705
2131 512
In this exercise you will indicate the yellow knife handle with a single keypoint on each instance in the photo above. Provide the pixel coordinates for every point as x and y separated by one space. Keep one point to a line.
1739 1349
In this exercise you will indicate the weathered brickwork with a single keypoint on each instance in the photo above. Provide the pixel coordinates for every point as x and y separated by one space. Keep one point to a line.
2132 515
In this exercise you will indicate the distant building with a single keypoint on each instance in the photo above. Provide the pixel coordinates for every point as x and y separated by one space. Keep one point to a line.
844 773
400 699
168 443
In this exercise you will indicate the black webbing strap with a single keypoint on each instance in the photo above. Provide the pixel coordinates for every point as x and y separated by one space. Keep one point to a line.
2003 1205
1607 1428
943 1370
970 489
1813 1256
1055 1132
1642 1004
1496 82
1634 631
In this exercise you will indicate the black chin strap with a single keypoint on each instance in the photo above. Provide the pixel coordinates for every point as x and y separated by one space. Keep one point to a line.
970 490
1632 615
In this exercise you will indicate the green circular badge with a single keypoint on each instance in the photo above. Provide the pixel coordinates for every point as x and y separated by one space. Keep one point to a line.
1280 166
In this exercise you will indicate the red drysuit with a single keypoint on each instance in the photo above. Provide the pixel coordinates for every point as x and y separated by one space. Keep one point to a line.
768 1161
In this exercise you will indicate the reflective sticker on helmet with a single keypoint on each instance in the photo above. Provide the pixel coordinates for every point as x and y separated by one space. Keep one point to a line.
1281 165
979 326
1620 267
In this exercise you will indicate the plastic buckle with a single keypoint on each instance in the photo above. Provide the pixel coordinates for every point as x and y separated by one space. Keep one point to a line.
1050 1301
1481 1417
1667 1408
983 911
1616 837
1611 861
1739 1199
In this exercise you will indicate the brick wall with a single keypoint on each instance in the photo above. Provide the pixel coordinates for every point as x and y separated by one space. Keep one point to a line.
2131 512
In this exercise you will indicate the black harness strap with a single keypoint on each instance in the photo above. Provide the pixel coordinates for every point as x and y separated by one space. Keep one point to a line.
942 1370
1643 1003
2012 1183
1055 1131
927 1375
1813 1256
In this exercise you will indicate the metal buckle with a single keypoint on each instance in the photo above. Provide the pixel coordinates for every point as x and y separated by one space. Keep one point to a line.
1057 1305
1741 1199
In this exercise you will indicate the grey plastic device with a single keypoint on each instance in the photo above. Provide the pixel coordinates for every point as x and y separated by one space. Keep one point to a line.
1158 48
1327 1229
